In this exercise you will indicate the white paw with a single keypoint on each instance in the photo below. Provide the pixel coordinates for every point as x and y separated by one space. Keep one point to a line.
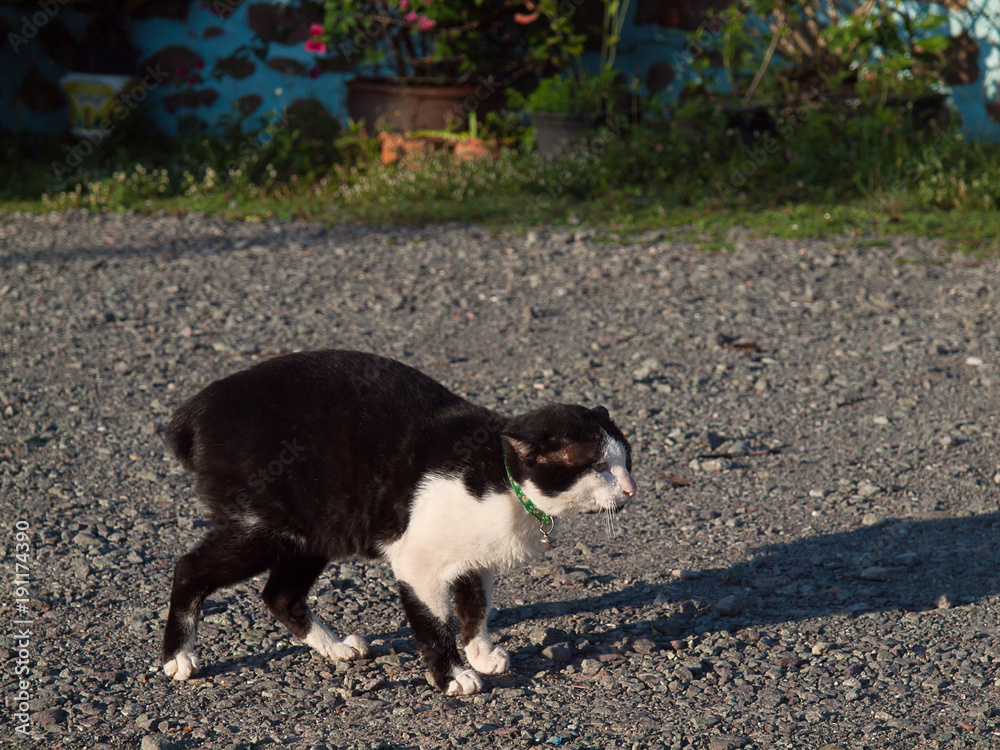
491 660
465 682
182 666
329 646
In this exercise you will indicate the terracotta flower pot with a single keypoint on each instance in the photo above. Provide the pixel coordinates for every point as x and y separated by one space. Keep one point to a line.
401 105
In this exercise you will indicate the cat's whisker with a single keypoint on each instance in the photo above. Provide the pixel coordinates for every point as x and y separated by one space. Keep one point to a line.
610 521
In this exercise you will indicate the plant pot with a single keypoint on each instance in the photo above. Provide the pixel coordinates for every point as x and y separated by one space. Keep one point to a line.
403 105
555 132
92 99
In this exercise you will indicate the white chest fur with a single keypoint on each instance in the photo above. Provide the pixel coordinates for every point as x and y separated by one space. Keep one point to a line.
450 532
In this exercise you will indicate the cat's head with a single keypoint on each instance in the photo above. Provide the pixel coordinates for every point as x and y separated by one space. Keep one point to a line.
570 459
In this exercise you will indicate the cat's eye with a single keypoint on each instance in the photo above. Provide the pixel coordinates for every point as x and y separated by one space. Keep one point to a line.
599 466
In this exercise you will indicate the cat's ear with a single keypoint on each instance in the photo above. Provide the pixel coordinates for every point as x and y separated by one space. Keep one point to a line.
537 446
527 443
601 412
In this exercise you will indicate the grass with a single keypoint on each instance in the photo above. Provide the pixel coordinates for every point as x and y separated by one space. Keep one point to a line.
857 179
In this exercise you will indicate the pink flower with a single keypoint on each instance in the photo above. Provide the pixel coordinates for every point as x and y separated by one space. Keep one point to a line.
315 46
181 71
426 24
404 4
315 29
410 17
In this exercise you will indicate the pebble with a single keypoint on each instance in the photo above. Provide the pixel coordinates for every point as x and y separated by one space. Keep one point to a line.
590 666
710 465
559 653
875 573
867 489
731 742
730 605
49 716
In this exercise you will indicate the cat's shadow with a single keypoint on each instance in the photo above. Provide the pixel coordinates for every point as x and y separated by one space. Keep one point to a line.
919 562
899 565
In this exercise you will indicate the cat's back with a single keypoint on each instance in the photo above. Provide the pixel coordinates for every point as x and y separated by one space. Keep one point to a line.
317 395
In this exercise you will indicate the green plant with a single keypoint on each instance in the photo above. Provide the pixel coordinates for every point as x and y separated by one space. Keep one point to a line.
444 40
574 89
796 50
574 94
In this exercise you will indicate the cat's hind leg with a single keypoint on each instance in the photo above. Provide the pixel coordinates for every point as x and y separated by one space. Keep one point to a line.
217 561
473 592
285 595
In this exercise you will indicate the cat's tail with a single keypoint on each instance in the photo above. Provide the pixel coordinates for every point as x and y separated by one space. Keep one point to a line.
180 434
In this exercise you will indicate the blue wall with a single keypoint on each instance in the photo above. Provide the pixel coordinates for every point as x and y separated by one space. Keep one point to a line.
211 38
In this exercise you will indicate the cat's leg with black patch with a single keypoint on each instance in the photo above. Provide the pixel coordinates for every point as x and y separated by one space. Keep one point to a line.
217 562
285 595
473 592
428 611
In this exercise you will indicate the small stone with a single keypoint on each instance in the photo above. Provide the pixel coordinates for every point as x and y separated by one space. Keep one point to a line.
49 716
819 648
560 653
729 605
712 465
945 601
710 439
875 573
818 493
996 478
872 519
681 574
143 721
590 666
867 489
84 539
734 448
544 636
648 368
974 361
121 368
644 646
727 742
908 559
880 419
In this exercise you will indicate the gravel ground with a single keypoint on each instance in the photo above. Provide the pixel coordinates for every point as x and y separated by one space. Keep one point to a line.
813 560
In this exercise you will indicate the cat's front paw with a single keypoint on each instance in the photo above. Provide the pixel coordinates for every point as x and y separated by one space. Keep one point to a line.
181 666
464 682
489 660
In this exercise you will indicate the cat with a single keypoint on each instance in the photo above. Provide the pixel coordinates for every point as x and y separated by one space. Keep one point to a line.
315 456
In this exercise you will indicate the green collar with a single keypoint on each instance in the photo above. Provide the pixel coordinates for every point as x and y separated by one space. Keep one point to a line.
539 515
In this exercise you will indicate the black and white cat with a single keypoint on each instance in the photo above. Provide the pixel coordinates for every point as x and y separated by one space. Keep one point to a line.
314 456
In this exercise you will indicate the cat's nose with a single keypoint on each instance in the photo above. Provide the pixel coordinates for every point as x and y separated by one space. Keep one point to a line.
628 486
